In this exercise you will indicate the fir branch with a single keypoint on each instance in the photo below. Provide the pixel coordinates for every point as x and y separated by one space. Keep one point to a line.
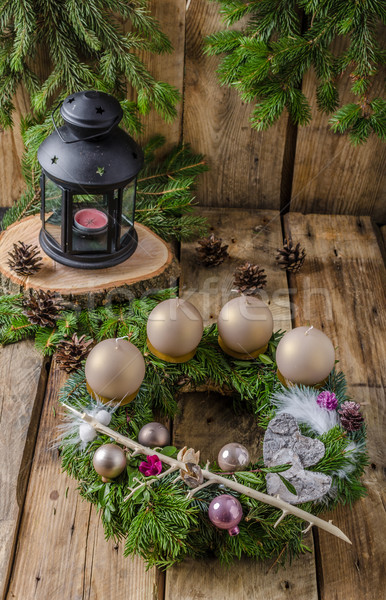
267 60
92 44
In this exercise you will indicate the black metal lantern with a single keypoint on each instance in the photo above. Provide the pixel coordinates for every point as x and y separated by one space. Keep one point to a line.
88 184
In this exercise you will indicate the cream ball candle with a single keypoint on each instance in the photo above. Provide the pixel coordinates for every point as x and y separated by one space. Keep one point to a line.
245 325
114 370
304 356
174 330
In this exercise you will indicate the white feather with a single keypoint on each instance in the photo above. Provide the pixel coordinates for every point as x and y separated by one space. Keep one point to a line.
301 404
69 428
352 451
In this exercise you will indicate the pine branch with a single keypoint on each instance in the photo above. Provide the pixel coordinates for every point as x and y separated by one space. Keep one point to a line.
91 44
268 59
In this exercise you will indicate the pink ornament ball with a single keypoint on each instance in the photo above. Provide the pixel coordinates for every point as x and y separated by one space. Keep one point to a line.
226 513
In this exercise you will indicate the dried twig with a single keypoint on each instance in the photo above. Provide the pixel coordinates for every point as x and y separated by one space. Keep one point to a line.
215 478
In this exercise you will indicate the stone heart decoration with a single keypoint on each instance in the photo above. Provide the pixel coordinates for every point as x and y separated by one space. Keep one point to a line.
284 444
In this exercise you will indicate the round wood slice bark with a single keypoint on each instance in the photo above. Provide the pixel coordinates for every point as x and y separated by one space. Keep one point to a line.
152 266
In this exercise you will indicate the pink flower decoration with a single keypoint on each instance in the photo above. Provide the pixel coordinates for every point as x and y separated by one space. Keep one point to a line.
327 400
152 466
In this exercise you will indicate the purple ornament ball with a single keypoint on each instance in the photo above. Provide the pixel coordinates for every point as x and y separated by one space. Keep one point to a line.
226 512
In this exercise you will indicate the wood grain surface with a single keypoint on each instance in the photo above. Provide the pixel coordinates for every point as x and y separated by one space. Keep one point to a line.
207 420
152 261
252 236
11 150
331 175
245 165
62 553
341 290
166 67
22 377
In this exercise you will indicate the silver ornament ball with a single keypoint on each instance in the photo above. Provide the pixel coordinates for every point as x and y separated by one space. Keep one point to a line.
103 417
154 434
109 461
87 433
233 457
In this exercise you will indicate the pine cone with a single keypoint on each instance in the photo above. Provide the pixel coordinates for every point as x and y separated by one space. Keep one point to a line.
290 257
25 259
70 353
249 278
211 253
42 308
351 417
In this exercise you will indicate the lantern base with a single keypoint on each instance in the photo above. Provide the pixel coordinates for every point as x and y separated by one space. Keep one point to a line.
287 383
152 266
98 260
171 359
239 355
123 402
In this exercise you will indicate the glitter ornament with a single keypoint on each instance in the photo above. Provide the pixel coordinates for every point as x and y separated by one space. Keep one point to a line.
153 435
87 433
351 417
109 461
226 512
233 457
327 400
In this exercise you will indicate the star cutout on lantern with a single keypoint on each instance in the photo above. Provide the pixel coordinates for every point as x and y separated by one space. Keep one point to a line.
100 171
54 160
100 110
70 100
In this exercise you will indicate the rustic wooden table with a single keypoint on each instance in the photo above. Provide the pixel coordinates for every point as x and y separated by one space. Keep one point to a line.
52 544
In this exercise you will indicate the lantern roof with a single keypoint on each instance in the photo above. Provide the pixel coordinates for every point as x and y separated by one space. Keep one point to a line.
91 110
90 153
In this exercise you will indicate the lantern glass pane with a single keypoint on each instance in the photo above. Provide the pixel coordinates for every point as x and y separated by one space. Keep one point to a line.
90 223
53 209
128 205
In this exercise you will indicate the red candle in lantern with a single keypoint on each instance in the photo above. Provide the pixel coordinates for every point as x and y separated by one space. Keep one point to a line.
90 220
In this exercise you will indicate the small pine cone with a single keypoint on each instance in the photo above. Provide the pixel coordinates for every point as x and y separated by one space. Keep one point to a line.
290 257
351 417
42 308
25 259
211 252
70 353
249 279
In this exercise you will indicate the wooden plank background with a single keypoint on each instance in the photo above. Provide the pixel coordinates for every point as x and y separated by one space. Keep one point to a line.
341 290
247 168
58 551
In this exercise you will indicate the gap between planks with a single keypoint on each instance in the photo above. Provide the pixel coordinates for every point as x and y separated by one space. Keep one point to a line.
340 290
207 421
23 375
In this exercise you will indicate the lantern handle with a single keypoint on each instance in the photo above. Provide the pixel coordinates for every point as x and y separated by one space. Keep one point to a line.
90 137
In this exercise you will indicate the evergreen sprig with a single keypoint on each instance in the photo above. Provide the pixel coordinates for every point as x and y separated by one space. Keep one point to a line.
252 382
93 44
280 41
165 200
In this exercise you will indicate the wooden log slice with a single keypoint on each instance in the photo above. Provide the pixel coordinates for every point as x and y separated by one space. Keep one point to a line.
152 266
